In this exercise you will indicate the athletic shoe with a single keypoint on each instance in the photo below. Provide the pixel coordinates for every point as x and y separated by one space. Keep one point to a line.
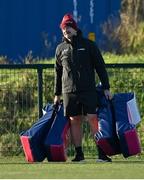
105 159
78 158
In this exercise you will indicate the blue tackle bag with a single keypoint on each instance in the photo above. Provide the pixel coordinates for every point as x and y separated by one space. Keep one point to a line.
106 137
126 130
56 141
33 138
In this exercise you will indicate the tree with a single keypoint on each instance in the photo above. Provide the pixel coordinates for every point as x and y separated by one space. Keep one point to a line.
129 33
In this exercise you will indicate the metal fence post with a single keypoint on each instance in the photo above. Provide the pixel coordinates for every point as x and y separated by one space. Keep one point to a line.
40 90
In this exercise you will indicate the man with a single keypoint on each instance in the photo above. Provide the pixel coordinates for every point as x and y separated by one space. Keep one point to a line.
77 58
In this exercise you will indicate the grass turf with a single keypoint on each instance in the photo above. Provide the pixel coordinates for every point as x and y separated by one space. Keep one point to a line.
17 168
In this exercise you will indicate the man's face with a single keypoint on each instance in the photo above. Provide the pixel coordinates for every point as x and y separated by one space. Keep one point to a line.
69 32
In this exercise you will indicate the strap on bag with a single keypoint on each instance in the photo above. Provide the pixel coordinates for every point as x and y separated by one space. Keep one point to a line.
56 107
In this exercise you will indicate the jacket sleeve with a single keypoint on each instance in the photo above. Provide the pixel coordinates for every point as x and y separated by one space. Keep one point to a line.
58 76
99 65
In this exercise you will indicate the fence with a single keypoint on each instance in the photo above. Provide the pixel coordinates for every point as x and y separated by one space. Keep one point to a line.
25 89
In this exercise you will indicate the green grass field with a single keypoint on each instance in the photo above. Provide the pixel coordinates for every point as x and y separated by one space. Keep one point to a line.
120 168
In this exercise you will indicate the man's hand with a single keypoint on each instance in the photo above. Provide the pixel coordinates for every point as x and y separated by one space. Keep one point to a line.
108 94
56 99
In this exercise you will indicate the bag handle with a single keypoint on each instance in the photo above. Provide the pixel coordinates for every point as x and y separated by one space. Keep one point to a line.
56 108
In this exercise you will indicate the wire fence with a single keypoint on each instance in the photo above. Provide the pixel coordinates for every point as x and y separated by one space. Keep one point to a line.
26 89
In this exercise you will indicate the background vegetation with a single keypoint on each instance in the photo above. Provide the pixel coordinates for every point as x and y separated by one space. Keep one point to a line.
126 34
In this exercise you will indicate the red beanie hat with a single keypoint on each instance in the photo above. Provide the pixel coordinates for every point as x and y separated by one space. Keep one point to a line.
68 21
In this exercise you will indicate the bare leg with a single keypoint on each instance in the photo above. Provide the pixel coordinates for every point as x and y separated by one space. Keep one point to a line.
76 133
93 122
76 130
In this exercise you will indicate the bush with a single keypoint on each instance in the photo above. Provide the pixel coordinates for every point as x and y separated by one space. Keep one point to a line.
10 144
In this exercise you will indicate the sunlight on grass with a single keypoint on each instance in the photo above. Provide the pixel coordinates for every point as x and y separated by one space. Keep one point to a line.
16 167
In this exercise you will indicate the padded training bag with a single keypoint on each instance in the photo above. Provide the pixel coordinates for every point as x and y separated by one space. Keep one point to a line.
129 140
56 141
32 139
106 137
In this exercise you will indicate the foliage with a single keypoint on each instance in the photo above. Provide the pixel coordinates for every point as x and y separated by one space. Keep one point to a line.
127 34
9 144
48 86
3 60
125 58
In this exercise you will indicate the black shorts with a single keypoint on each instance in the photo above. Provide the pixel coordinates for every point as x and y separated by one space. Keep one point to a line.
80 103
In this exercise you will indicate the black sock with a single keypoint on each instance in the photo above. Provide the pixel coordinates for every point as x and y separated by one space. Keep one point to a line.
79 151
101 153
